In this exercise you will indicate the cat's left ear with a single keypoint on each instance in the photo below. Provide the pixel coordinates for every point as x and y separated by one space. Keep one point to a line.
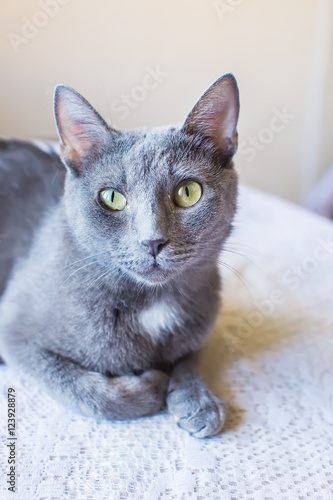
81 129
214 117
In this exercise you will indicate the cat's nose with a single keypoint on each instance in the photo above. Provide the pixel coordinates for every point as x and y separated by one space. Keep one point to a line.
154 246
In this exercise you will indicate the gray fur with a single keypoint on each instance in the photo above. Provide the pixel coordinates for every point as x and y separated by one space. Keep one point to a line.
83 311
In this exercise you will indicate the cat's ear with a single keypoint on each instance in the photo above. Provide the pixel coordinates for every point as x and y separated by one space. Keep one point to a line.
214 117
81 129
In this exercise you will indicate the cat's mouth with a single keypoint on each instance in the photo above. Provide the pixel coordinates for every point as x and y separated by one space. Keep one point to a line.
155 273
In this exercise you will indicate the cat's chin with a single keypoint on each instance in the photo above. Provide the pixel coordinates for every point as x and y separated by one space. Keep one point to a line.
157 275
154 276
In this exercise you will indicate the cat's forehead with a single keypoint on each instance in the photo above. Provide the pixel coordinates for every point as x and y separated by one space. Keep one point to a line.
157 152
150 160
147 147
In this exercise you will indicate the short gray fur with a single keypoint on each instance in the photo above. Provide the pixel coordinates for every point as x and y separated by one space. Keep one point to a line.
83 310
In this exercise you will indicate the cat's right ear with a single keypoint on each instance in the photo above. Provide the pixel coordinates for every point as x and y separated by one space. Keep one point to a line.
81 129
213 120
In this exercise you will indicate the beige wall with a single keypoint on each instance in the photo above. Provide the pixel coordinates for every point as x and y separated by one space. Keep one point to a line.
280 52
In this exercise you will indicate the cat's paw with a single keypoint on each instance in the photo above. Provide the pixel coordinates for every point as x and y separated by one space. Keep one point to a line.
197 410
124 397
154 390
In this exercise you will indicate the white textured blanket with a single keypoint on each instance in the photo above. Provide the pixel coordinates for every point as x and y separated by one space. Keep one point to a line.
270 357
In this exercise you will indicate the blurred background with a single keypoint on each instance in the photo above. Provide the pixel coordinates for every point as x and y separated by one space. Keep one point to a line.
144 63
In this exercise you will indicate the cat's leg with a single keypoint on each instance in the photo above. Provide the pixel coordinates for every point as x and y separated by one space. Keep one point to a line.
195 408
87 392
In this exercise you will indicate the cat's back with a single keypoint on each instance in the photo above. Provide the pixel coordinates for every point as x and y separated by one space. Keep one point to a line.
31 182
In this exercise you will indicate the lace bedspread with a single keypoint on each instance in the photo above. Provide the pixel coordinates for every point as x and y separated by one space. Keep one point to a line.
270 357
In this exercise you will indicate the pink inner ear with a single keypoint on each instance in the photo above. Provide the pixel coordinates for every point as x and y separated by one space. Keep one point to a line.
215 114
71 155
75 134
81 128
216 118
78 137
223 125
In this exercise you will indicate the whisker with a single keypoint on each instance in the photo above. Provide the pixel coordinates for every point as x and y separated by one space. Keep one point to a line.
99 279
249 260
174 284
140 290
85 258
237 274
74 272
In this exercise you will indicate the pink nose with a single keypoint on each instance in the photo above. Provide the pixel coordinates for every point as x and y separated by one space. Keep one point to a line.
154 246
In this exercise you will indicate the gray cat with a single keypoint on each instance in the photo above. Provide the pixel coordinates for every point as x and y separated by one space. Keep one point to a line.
108 268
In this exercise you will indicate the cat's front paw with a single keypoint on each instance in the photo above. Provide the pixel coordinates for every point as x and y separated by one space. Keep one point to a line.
197 410
154 385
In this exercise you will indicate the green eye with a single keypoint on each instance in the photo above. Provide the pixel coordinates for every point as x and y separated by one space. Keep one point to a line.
112 199
188 194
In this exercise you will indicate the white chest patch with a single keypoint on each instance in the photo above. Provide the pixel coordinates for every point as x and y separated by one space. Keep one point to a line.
162 316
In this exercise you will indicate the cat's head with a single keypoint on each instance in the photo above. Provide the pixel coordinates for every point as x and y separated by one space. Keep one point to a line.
151 203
